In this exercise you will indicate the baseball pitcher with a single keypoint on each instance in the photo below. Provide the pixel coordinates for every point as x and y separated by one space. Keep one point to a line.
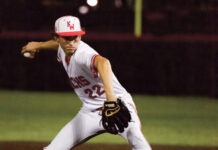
107 106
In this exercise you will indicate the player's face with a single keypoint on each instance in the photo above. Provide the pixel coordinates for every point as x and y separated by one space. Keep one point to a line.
69 44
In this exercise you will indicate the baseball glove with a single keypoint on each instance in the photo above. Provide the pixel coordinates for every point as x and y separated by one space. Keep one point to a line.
115 116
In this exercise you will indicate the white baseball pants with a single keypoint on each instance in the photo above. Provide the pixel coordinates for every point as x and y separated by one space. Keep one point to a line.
87 124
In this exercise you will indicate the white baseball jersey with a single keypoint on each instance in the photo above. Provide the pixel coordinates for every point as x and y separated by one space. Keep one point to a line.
84 78
89 87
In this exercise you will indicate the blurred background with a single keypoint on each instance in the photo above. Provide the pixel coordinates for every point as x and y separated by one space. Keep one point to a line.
174 51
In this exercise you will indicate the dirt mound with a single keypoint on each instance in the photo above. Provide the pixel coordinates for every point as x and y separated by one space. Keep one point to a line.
39 146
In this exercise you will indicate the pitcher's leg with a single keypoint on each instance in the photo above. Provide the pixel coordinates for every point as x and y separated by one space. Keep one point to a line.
76 131
133 133
137 140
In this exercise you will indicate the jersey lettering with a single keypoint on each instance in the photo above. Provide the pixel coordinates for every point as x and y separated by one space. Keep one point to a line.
79 82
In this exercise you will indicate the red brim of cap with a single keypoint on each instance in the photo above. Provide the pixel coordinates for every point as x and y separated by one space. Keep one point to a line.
77 33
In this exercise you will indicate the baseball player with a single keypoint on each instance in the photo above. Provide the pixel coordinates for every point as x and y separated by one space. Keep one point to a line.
107 106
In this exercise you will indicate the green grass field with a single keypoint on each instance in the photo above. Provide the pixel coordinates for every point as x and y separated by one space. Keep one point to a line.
168 120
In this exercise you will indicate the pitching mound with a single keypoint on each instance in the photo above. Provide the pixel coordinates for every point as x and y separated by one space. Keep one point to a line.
39 146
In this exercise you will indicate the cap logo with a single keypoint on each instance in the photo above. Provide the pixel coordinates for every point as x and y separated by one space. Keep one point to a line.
70 26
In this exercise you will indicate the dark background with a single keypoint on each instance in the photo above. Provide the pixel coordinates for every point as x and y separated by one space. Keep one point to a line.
176 55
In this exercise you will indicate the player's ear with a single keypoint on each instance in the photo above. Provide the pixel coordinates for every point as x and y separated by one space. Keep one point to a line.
55 36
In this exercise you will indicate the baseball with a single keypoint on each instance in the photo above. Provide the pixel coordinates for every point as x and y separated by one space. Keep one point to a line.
27 54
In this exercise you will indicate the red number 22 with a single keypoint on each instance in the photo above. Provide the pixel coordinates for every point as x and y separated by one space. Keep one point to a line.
95 91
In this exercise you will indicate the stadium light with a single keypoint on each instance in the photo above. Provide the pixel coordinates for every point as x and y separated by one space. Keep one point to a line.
83 9
92 3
